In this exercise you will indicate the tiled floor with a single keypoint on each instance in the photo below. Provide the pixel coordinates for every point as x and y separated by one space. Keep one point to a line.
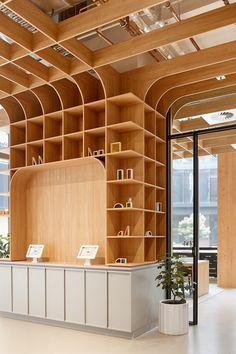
215 334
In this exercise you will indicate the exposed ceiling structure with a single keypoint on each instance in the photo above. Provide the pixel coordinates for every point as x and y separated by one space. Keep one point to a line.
167 52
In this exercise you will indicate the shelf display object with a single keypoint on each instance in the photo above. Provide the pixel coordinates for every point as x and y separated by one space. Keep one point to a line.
127 137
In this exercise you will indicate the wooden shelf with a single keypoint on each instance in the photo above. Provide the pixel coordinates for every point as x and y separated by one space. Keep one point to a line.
35 129
125 154
125 99
94 115
121 237
64 136
53 125
124 126
73 120
124 181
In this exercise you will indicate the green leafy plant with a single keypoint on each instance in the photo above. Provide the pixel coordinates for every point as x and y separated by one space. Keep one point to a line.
173 277
4 246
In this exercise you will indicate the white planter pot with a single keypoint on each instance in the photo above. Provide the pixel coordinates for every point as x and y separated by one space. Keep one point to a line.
173 318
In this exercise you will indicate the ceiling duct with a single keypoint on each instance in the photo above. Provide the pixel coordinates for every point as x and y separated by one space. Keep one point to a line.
17 19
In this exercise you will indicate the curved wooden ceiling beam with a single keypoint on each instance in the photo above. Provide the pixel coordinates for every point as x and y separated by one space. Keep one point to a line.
160 87
160 37
204 107
183 101
140 80
202 97
204 86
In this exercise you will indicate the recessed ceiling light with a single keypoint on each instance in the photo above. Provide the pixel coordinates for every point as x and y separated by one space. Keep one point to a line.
169 56
220 78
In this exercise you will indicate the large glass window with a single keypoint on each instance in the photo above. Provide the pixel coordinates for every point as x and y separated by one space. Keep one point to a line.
182 201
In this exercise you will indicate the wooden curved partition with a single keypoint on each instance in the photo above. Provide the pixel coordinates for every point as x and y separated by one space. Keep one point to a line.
68 92
61 205
49 98
13 109
30 104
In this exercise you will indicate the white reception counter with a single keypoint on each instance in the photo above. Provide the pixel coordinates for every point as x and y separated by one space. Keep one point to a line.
108 300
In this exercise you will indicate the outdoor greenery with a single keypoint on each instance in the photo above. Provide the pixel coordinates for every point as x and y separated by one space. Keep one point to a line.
4 246
173 277
185 229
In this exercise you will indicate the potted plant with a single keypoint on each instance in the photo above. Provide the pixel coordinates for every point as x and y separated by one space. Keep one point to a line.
173 313
4 246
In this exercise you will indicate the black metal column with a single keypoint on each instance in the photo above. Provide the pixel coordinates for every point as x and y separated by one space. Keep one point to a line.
195 227
168 186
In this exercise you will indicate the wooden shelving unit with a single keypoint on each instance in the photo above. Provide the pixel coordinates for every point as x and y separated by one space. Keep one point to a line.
75 132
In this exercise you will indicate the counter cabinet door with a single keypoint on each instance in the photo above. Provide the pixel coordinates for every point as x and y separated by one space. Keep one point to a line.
20 290
74 296
5 288
55 294
37 292
96 298
119 301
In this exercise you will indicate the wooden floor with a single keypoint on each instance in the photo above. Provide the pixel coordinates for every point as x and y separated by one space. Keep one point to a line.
215 334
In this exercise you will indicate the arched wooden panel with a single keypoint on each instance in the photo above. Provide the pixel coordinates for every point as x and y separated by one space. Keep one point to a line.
31 104
203 86
178 104
140 80
64 206
49 98
160 87
90 86
68 92
205 107
110 79
13 109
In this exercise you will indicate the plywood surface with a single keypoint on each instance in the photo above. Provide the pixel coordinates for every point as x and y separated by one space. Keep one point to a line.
61 205
226 274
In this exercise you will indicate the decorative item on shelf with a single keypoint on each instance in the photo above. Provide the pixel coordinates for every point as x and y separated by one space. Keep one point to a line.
120 174
127 231
129 173
98 152
34 161
35 252
90 152
118 205
158 206
88 252
116 147
124 233
121 260
40 160
148 233
129 204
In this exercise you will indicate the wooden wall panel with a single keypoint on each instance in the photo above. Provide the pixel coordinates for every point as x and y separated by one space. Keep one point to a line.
62 206
227 220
